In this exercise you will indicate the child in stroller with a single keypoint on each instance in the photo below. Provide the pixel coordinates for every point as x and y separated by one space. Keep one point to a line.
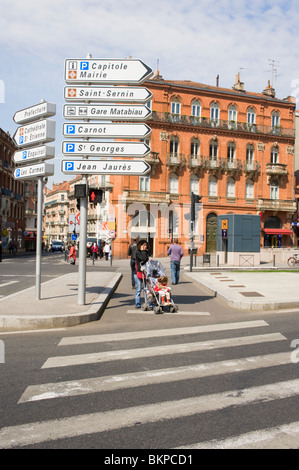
154 275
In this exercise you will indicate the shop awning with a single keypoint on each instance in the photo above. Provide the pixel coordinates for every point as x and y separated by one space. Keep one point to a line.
277 231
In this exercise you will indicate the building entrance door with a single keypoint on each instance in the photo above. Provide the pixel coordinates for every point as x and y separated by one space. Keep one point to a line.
211 233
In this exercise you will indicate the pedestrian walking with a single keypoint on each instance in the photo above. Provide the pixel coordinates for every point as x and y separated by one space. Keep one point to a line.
141 259
176 253
72 254
132 253
94 250
106 251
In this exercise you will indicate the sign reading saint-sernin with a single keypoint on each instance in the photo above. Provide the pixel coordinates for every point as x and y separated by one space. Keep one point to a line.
109 71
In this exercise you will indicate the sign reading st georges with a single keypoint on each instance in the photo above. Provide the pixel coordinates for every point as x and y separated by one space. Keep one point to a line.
122 149
106 71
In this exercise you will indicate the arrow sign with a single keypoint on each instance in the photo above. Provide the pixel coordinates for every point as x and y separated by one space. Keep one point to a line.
114 130
107 112
33 171
93 149
108 94
105 167
110 71
39 131
44 109
42 152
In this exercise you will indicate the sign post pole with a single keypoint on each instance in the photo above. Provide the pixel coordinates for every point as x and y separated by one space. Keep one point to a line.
82 246
40 187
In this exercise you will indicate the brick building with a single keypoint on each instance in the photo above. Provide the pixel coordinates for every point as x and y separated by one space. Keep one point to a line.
232 146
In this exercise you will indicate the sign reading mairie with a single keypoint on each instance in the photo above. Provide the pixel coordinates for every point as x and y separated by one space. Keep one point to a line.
109 71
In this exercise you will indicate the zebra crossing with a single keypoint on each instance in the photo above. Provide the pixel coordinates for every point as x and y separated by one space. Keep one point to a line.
269 350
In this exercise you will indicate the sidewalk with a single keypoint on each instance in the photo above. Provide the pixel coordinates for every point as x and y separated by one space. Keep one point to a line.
58 307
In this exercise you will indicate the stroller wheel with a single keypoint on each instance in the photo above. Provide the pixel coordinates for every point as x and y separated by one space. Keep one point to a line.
144 307
158 310
173 308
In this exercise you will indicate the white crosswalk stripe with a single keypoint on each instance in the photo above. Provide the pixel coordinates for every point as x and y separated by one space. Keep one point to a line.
240 335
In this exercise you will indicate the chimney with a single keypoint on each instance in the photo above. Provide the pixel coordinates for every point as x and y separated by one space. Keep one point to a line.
269 90
217 80
238 86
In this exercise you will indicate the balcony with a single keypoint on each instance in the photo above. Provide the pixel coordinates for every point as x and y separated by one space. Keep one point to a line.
152 159
276 205
251 169
214 165
221 124
175 161
232 166
277 171
195 163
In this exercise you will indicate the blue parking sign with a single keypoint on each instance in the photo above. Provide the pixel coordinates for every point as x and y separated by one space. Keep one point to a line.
70 129
70 147
84 65
69 166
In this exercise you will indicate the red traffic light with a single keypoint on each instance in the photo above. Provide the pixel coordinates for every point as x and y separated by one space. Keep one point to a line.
95 196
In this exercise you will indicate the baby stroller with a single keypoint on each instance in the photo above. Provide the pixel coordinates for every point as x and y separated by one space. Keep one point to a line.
153 270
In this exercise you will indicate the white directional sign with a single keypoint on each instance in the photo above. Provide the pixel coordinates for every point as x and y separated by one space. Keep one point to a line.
105 167
105 149
107 112
42 152
41 110
33 171
31 134
110 71
107 94
105 130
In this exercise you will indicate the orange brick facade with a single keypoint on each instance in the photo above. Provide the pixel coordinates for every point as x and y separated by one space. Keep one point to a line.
233 147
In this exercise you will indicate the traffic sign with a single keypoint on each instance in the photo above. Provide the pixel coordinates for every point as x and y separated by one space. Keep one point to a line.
106 94
41 110
105 149
33 171
104 112
136 130
31 134
105 167
42 152
110 71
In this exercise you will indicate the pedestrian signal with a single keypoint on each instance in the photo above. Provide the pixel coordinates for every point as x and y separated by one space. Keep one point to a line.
95 196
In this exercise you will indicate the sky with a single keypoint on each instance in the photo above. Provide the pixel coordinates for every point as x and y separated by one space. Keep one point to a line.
188 40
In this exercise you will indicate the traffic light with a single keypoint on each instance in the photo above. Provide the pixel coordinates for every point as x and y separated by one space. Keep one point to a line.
78 204
95 195
194 200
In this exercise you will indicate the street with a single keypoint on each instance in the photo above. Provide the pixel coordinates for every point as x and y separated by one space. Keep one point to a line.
205 377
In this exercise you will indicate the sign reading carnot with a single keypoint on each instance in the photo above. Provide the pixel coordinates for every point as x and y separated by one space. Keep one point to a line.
105 167
136 130
110 71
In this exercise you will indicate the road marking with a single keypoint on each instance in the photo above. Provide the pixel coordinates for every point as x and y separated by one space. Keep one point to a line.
138 379
169 313
8 283
79 359
162 332
37 432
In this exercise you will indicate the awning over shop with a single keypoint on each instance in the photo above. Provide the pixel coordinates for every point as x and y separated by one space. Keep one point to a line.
277 231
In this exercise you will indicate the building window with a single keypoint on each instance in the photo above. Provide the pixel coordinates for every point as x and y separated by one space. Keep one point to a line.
214 113
250 116
230 188
231 152
213 150
232 113
196 108
275 119
274 155
144 183
249 189
194 147
173 184
249 154
194 184
174 146
213 186
175 107
274 190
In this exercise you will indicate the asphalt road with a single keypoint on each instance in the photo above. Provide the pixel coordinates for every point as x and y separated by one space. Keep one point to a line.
207 376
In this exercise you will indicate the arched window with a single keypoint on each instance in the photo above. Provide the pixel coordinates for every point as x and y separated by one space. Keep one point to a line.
195 145
195 108
275 119
173 183
214 113
232 113
249 189
250 116
174 146
230 188
212 186
249 154
231 152
213 149
194 184
175 106
274 190
274 155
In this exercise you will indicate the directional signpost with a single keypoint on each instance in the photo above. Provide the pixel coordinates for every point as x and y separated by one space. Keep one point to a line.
35 129
107 130
92 81
105 167
105 149
107 94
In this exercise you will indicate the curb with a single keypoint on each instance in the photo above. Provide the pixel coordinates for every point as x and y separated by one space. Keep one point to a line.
31 322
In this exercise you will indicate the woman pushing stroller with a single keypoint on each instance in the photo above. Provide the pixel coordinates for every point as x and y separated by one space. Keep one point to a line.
141 259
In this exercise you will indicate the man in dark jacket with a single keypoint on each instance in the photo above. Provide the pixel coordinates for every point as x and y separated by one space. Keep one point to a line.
141 259
132 253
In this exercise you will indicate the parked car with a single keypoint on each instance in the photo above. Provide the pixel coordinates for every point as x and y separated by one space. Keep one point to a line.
57 245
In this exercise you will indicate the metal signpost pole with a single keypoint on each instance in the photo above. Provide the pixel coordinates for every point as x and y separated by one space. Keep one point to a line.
82 246
40 187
